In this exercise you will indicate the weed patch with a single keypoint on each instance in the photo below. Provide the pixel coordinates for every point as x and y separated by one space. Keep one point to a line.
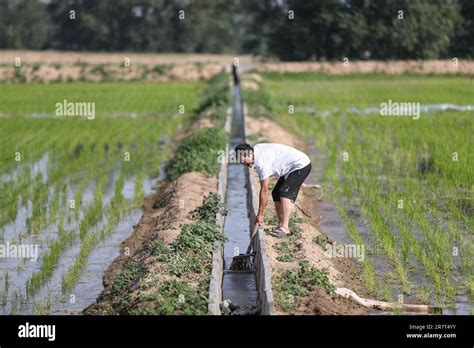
199 152
297 283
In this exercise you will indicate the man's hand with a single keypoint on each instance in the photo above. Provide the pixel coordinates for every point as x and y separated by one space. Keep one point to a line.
259 220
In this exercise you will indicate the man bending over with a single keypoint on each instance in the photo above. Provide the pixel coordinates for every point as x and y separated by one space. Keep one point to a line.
290 165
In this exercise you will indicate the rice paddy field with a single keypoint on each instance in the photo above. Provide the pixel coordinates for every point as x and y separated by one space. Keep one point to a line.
68 184
400 186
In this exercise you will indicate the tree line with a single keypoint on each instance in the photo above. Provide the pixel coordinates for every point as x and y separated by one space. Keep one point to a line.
285 29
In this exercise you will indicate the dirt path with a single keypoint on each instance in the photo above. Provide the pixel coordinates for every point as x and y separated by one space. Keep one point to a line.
71 57
63 66
343 272
372 66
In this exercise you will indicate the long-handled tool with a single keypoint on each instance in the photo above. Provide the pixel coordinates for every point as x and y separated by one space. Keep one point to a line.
242 262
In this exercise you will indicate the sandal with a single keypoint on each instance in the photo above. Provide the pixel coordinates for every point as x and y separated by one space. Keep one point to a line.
278 232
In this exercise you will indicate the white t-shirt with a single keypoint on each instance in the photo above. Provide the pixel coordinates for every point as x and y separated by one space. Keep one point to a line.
277 160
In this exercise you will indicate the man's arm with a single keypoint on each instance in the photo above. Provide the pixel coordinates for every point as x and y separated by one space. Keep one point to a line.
263 199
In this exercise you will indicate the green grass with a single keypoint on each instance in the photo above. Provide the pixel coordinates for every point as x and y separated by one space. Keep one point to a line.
392 159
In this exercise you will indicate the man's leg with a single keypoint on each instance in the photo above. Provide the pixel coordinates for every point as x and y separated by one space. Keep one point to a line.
288 193
286 212
276 199
279 212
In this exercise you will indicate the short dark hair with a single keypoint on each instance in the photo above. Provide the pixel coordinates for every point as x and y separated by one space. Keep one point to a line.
242 151
243 147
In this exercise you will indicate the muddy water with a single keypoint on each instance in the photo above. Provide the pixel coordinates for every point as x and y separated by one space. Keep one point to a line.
238 286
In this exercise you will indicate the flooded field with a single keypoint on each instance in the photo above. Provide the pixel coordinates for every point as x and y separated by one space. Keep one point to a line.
71 191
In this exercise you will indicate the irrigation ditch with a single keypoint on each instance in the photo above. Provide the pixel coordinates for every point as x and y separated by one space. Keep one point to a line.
246 290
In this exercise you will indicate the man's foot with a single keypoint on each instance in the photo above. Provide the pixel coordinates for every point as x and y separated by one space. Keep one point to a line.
278 232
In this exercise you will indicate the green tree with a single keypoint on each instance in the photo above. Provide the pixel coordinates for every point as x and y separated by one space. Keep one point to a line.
319 30
326 29
408 28
23 24
463 40
147 25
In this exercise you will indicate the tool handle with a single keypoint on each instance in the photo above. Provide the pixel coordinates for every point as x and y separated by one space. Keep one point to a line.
254 233
255 229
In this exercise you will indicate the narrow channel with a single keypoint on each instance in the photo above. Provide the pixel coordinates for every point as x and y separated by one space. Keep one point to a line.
239 287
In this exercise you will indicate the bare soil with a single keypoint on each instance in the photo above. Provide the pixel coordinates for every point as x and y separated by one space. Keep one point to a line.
366 67
64 57
62 66
108 72
342 272
56 66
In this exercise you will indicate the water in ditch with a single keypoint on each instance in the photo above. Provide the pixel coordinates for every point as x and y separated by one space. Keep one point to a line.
239 287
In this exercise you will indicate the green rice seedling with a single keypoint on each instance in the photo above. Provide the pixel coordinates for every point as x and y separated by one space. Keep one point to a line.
77 155
14 303
94 212
70 278
113 97
387 293
54 205
50 260
6 286
118 198
116 208
139 188
43 308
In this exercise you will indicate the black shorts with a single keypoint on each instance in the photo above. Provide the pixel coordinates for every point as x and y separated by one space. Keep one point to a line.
290 186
